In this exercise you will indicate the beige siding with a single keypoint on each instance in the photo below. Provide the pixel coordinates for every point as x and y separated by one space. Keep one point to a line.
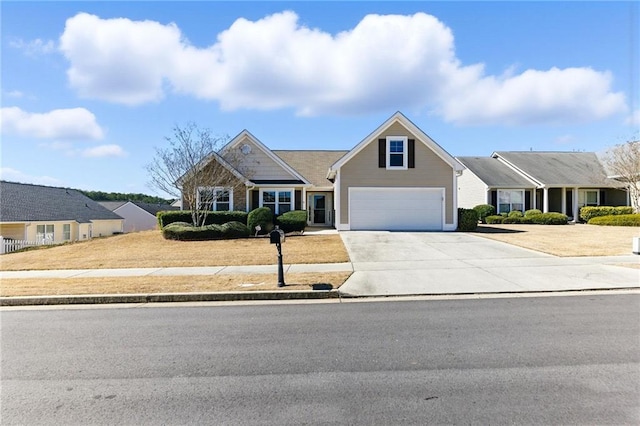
362 171
257 165
104 228
471 190
14 231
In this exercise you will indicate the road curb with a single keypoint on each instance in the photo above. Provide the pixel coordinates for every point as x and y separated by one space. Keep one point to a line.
167 297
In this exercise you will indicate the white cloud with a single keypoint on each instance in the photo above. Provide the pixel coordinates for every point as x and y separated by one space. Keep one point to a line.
384 62
104 151
14 94
13 175
65 124
634 118
34 47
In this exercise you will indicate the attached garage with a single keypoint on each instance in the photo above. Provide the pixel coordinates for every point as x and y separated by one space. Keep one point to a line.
397 209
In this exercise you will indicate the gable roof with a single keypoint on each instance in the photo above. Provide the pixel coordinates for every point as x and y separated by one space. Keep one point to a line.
313 165
26 202
246 134
494 173
422 136
559 168
151 208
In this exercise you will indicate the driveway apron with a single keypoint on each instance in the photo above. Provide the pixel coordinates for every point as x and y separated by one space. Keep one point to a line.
413 263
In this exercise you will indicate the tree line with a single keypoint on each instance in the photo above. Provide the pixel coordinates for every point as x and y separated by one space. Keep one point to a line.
118 196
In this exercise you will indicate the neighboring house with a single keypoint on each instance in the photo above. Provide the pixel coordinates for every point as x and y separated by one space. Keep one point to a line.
46 214
137 216
397 178
549 181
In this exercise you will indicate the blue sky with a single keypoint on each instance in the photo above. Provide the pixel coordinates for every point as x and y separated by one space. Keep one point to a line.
90 88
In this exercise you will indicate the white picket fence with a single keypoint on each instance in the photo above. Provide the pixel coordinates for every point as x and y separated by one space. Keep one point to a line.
8 245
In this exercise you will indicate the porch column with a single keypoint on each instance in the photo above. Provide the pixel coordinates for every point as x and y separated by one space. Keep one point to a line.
534 195
574 198
545 200
564 200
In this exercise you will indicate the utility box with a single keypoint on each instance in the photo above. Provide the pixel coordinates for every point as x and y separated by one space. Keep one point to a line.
636 245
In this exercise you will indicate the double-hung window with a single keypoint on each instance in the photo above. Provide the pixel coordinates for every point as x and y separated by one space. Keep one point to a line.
509 200
66 232
44 233
279 201
397 152
214 198
589 197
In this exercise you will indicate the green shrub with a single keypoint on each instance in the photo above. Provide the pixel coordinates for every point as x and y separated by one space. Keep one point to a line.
550 219
494 219
263 217
504 214
588 213
616 220
532 212
484 210
517 219
234 229
213 218
188 232
515 213
467 219
292 221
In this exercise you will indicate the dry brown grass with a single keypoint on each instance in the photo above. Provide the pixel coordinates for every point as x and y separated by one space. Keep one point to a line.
565 240
167 284
149 249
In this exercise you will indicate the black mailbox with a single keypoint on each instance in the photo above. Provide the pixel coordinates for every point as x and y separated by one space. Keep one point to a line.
276 236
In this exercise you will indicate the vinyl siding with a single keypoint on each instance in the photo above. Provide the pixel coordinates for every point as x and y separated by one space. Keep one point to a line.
14 231
362 171
471 190
136 219
105 228
257 165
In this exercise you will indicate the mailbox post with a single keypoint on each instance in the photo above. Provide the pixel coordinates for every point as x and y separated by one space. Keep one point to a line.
277 237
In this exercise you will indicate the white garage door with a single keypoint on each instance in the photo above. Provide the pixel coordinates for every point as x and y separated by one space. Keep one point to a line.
396 209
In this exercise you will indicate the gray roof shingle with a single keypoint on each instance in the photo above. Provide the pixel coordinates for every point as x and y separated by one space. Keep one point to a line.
313 165
495 173
26 202
561 168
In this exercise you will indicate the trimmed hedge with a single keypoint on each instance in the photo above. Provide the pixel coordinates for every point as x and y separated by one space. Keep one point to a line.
261 216
494 219
550 219
515 213
532 212
484 210
213 218
517 219
588 213
292 221
186 232
467 219
616 220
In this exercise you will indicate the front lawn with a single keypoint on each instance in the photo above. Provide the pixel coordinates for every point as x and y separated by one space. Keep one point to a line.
564 240
149 250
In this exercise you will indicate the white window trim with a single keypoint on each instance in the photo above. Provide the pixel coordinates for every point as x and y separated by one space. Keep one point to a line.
292 203
64 234
405 153
46 236
215 202
582 196
510 203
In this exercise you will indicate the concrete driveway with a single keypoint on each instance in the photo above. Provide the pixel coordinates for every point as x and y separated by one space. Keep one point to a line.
412 263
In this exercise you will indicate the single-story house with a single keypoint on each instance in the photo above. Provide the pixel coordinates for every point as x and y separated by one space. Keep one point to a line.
396 178
138 216
41 214
549 181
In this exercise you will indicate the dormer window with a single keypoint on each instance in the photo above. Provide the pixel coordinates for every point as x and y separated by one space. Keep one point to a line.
397 152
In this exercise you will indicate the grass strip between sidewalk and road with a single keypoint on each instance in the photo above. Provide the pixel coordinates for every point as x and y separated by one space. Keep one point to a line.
167 284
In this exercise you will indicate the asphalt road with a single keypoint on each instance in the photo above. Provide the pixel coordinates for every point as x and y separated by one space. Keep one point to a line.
551 360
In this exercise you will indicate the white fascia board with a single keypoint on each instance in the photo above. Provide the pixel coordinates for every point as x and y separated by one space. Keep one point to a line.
424 138
245 133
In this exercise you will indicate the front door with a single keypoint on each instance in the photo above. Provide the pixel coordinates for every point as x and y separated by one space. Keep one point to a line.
319 209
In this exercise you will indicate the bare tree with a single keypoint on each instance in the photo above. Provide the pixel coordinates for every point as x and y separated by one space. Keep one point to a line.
192 169
623 163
